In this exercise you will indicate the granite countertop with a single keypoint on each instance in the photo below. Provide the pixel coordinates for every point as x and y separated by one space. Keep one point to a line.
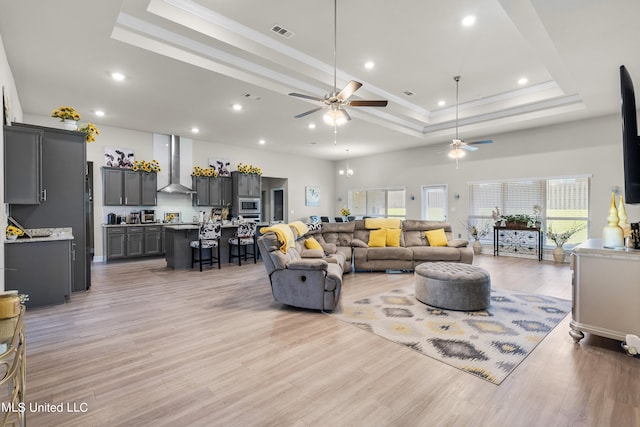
146 224
53 234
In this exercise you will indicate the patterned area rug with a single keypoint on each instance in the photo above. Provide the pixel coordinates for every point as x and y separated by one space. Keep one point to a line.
489 343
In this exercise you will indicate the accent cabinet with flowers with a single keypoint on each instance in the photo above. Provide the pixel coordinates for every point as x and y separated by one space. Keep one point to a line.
246 184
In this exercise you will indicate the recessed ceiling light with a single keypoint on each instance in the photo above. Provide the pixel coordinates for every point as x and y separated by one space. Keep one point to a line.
523 81
369 65
195 130
441 103
99 113
468 20
262 142
117 76
237 107
311 125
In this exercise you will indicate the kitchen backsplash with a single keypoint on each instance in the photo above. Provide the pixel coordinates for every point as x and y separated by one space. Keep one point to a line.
167 203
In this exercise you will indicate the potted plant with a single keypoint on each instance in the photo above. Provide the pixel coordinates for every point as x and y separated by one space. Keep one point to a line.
560 238
517 221
478 232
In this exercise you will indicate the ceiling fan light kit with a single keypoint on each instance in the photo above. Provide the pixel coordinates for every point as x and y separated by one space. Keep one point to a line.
336 101
458 147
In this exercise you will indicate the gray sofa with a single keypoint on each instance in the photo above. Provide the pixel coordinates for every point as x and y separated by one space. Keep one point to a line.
414 248
313 282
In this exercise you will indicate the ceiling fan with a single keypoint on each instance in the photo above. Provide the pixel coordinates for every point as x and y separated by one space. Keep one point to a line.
335 101
458 147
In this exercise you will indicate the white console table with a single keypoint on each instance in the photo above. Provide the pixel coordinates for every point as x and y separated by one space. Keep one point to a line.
606 291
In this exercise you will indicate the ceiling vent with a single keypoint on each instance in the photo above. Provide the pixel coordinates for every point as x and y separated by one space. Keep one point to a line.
282 31
408 93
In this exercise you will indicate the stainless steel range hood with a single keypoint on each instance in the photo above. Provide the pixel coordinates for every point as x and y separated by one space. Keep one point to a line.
174 170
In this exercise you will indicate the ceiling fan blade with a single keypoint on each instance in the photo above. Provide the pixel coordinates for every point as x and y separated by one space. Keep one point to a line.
484 141
348 117
301 95
367 103
464 146
306 113
348 90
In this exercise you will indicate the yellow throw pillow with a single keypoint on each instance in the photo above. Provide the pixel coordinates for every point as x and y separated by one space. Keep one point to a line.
378 238
312 243
436 237
393 237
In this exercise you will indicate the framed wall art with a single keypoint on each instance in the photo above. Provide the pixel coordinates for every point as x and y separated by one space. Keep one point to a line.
312 196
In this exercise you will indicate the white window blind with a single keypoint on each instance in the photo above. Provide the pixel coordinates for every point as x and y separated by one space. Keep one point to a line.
563 202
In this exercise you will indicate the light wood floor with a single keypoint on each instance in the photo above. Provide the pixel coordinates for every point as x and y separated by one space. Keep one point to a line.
148 346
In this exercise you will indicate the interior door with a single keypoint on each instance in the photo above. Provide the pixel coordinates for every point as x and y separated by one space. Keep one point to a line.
277 204
434 202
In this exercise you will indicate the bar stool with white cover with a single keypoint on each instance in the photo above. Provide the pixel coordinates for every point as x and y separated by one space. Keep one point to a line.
208 239
245 237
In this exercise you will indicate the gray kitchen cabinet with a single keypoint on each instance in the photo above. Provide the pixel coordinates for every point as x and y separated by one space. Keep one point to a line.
125 187
132 188
212 191
247 184
64 181
220 190
47 284
201 186
22 165
113 182
135 241
152 240
148 189
115 243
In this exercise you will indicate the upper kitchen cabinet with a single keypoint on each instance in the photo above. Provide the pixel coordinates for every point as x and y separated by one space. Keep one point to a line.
23 166
125 187
212 191
246 184
148 188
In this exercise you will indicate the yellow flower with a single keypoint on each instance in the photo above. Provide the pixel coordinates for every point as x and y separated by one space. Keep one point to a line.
66 113
91 130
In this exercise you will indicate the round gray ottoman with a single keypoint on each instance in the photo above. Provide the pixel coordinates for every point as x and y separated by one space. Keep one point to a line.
453 286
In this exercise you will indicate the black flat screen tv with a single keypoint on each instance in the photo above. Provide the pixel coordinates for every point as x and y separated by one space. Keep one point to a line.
630 139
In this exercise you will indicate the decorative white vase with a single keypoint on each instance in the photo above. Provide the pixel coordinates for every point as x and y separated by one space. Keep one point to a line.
70 124
612 234
559 255
477 247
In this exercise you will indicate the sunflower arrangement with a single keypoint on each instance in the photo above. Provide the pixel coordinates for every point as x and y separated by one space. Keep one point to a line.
345 211
145 166
13 231
91 130
199 171
65 113
247 169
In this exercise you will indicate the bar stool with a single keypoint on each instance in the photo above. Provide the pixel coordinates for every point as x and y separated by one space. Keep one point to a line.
245 237
208 238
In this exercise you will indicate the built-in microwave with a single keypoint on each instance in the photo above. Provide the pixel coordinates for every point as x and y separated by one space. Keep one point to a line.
248 205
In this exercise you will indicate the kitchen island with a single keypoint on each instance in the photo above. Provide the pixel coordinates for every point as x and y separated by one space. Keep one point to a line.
179 236
41 267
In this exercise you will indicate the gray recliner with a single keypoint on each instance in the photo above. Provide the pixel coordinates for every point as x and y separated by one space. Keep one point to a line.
310 283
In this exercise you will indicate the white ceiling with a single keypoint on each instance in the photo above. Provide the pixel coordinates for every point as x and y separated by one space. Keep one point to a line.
188 61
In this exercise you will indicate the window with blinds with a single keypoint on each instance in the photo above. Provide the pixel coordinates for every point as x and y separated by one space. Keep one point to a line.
563 202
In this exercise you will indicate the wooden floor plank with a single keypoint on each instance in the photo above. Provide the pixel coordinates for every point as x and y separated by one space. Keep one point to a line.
152 346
